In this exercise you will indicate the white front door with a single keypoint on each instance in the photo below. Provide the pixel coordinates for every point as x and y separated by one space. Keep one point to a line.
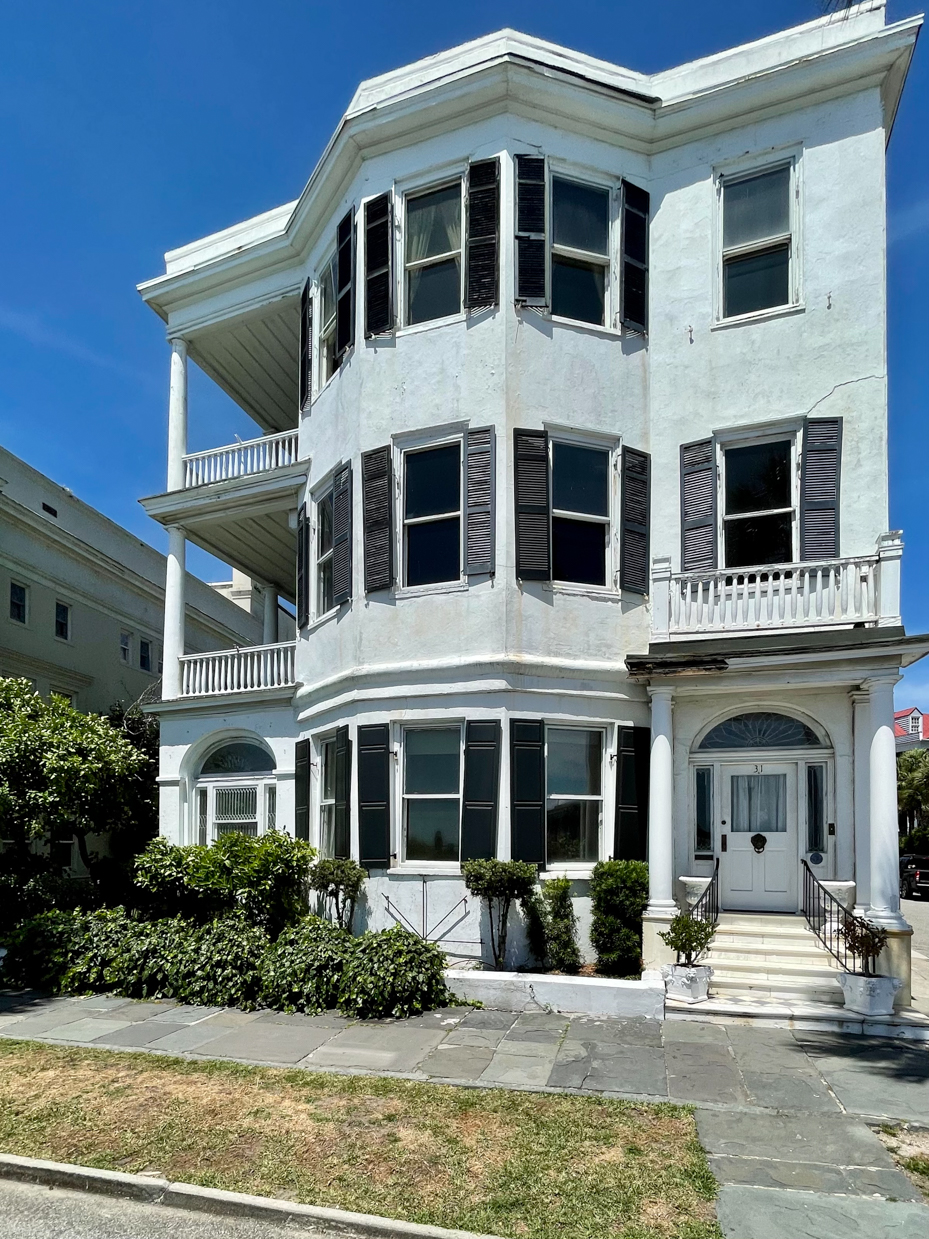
758 867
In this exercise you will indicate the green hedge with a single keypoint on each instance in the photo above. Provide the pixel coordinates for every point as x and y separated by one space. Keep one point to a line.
302 971
619 895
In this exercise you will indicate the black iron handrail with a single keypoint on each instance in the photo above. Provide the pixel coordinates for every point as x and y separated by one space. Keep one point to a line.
707 906
827 918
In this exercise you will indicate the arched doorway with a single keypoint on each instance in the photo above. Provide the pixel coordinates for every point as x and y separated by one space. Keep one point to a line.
762 784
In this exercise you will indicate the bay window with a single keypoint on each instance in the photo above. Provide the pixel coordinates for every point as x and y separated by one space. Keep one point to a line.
574 795
432 794
580 250
580 513
329 357
757 241
327 797
432 514
433 254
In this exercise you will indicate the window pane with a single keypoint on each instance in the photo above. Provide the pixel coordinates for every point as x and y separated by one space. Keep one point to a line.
201 816
327 830
759 803
432 830
324 597
433 552
756 282
580 479
815 808
328 757
18 603
581 216
759 540
578 551
432 760
573 831
704 808
573 761
328 294
577 290
757 477
238 757
61 620
433 481
324 526
435 291
271 808
235 804
756 208
433 223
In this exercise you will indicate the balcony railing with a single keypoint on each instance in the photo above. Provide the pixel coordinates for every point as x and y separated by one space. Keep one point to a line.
239 670
838 593
241 459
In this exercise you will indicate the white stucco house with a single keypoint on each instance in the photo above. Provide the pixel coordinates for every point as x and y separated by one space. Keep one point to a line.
571 385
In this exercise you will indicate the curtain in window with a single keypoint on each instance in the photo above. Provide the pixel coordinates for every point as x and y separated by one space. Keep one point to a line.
434 224
759 803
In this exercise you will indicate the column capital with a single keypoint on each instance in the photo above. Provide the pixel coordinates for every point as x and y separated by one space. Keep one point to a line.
178 343
889 680
664 692
859 696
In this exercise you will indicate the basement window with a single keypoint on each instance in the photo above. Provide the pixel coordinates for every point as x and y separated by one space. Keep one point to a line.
432 515
580 250
580 513
434 269
757 241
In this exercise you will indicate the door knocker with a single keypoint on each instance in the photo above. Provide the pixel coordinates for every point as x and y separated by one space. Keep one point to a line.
758 843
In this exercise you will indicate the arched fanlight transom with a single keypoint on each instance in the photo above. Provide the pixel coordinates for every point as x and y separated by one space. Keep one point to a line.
760 730
238 757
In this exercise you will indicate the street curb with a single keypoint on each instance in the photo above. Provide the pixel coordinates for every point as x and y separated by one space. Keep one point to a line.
156 1191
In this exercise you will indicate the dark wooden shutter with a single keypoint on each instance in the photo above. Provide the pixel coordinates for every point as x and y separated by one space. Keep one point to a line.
379 313
302 789
482 244
698 506
527 791
377 505
630 836
374 795
342 843
303 574
481 790
342 536
634 285
345 293
306 346
533 514
819 488
480 487
633 550
530 230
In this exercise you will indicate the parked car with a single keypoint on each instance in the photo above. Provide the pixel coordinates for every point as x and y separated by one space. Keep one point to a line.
914 877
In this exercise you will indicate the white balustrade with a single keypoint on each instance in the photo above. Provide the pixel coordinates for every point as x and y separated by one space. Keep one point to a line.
238 670
839 592
241 459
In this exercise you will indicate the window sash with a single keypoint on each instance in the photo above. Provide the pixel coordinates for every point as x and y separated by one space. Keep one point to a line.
791 510
554 798
62 621
762 244
408 798
18 602
412 265
323 559
450 514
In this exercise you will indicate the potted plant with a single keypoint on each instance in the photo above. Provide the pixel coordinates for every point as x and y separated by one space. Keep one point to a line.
686 979
866 992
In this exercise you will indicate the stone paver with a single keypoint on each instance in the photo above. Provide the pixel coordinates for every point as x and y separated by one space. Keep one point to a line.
376 1048
760 1213
86 1030
272 1043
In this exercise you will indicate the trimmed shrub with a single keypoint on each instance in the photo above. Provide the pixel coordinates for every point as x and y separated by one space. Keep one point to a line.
688 938
619 895
498 883
302 971
340 882
560 926
392 973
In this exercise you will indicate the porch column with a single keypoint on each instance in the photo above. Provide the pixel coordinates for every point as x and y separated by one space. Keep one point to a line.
661 905
884 901
861 731
269 625
175 611
177 415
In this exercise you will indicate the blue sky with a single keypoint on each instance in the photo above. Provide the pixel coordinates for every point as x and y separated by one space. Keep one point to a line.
127 128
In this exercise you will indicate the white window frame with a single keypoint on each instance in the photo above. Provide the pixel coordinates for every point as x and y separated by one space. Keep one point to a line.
399 733
125 648
68 614
323 336
417 190
26 600
613 448
412 445
322 745
566 172
318 496
746 170
758 438
265 795
606 732
915 727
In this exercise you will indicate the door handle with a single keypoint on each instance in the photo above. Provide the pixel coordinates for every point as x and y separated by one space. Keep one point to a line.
722 843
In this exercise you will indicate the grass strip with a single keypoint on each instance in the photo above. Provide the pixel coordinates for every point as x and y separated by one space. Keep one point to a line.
544 1166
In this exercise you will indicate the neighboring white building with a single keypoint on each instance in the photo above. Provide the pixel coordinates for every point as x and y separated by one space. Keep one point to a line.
83 600
572 388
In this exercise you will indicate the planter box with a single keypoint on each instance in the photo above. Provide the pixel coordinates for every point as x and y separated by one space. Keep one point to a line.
533 991
869 995
687 983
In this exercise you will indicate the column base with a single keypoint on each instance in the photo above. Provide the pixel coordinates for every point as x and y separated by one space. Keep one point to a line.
656 920
895 959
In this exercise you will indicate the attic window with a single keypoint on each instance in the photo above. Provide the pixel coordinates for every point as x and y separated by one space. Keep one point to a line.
47 507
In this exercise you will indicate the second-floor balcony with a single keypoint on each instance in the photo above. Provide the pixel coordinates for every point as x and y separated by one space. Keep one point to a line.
241 670
240 460
862 591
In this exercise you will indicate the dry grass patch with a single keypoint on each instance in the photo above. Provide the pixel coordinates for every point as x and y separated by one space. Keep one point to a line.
909 1147
516 1164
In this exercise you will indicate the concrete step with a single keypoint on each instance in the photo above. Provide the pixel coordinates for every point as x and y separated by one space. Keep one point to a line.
804 971
800 954
797 988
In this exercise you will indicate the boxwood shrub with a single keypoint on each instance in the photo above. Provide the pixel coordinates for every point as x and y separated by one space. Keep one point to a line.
619 895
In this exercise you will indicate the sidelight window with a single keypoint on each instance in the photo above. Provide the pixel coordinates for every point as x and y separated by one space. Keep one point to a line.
432 793
703 809
580 513
433 254
757 241
759 504
574 795
580 250
815 808
432 515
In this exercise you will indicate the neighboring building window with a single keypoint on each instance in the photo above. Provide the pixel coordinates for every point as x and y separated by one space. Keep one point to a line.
63 621
125 647
580 250
580 513
703 806
757 241
145 655
329 357
327 798
915 721
759 505
432 793
432 515
235 792
324 602
18 600
815 808
58 692
433 254
574 795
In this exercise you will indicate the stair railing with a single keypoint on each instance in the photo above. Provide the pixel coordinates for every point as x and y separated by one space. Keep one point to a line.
827 917
707 906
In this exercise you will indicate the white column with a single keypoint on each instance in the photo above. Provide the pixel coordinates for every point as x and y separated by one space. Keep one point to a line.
175 611
269 630
885 851
889 553
861 725
177 415
660 807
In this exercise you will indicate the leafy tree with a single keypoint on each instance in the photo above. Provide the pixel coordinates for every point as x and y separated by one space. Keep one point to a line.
498 883
340 882
913 798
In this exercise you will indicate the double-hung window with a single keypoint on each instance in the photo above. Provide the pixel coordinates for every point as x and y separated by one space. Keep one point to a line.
324 596
18 598
62 621
757 241
433 254
329 357
432 794
580 513
580 250
327 790
145 655
574 795
759 514
125 647
432 514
